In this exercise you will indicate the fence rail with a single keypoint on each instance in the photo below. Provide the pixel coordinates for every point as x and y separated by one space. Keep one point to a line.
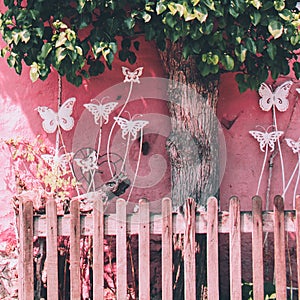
210 222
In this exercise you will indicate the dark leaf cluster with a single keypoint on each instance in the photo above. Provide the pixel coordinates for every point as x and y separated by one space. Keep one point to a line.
80 38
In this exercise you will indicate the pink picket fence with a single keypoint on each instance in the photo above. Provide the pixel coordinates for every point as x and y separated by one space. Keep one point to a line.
143 223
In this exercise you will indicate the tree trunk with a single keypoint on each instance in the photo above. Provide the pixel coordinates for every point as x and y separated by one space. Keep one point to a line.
193 142
193 148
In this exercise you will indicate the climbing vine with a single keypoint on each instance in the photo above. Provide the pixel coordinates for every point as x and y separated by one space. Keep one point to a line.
80 38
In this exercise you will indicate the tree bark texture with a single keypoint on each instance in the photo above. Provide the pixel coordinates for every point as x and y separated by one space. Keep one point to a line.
193 142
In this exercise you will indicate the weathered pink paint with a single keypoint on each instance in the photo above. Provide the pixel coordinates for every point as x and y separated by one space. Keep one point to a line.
241 113
238 112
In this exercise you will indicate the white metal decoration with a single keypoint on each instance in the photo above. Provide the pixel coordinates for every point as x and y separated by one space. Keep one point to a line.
131 77
266 141
100 111
276 99
88 161
131 128
52 120
87 164
58 161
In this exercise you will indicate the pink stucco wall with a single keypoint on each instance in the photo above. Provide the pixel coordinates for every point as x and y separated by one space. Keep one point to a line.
19 97
241 112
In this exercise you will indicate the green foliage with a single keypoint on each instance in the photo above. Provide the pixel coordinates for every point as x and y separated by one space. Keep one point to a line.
269 291
79 38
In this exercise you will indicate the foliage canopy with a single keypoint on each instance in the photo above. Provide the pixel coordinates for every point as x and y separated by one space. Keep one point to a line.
79 38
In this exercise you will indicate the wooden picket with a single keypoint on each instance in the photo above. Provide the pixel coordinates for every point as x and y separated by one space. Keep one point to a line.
191 222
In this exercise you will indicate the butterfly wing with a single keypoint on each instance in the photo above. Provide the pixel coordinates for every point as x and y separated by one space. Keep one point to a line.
132 76
266 101
272 137
124 124
280 96
64 159
126 72
260 137
295 145
88 163
95 110
66 121
136 74
50 118
136 126
106 109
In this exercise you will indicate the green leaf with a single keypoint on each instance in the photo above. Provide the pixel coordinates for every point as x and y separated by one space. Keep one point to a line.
146 18
61 40
272 50
242 84
136 45
60 54
25 36
201 14
255 17
295 39
170 20
256 3
233 12
34 72
186 50
195 2
16 36
286 15
228 62
210 4
96 68
131 57
123 55
296 68
114 47
129 22
250 45
46 49
160 8
279 5
240 52
276 29
172 8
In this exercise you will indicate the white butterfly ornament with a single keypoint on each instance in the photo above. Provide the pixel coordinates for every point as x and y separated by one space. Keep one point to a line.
62 118
58 161
266 139
295 145
88 163
100 111
132 76
278 98
130 127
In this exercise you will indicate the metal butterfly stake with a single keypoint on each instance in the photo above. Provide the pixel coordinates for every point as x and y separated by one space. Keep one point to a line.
131 77
54 122
266 141
131 128
276 99
89 160
101 114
